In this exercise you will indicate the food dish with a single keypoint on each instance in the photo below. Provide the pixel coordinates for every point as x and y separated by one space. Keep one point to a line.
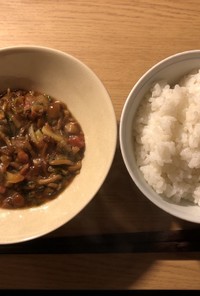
171 70
166 139
66 78
41 148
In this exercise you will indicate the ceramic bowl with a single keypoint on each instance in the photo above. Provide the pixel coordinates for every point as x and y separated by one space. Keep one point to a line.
171 69
65 78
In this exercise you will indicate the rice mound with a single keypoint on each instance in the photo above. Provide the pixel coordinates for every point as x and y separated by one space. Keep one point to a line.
166 134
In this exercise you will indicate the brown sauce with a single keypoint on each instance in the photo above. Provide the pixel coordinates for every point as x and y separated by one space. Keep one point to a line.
41 148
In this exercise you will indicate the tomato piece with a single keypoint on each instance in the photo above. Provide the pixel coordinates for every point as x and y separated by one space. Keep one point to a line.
76 140
2 189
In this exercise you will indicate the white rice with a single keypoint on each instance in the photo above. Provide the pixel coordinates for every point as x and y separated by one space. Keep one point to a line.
167 139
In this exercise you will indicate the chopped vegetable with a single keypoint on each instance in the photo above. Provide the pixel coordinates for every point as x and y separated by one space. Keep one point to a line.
61 161
14 177
49 132
76 141
41 148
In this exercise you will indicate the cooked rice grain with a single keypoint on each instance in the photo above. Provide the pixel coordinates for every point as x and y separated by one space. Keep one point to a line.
166 134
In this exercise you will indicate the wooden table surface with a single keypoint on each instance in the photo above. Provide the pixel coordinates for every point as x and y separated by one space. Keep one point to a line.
120 240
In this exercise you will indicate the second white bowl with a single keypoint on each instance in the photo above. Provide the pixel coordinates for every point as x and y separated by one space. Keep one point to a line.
171 69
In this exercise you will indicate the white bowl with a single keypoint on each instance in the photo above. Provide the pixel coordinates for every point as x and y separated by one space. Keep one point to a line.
69 80
171 69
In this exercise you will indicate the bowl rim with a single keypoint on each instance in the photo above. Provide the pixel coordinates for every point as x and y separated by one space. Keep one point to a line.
122 132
